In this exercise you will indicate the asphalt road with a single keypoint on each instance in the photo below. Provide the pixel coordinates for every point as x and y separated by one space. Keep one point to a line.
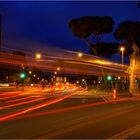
63 114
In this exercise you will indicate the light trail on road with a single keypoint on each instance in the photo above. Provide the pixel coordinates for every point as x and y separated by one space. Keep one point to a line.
13 96
69 63
41 105
21 103
73 108
8 95
20 99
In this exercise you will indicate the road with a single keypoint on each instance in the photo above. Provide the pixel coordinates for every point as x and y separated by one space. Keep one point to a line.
67 114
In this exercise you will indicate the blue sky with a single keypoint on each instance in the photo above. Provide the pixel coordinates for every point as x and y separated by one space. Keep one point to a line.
47 22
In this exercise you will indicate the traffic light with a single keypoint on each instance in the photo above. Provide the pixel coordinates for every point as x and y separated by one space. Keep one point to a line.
23 75
109 78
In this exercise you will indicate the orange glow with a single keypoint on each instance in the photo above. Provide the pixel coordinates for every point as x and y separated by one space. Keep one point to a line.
20 99
10 96
30 72
103 62
7 117
58 68
38 55
122 49
114 94
80 54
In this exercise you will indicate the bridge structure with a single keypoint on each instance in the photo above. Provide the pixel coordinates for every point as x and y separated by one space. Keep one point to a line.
69 63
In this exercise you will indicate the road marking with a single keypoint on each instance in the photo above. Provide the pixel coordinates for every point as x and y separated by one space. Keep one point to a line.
106 98
57 132
127 133
54 133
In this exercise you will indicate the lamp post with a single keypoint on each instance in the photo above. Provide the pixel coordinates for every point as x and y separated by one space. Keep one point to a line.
122 50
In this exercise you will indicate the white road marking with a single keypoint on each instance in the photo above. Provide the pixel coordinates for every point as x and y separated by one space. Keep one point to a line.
127 133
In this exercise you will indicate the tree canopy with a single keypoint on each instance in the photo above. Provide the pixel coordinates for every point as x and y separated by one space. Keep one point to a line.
105 49
89 28
128 32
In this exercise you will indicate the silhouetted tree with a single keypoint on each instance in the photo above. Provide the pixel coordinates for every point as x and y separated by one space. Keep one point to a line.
89 28
129 33
105 49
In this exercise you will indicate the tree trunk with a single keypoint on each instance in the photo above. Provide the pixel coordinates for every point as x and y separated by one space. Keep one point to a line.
90 46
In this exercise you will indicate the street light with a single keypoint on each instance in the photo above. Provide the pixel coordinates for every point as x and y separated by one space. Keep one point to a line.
80 54
84 82
119 77
30 72
38 55
58 68
122 50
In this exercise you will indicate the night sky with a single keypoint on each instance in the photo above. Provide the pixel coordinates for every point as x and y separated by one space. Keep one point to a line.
47 22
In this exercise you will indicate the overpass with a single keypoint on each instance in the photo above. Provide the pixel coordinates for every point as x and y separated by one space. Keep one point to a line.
68 61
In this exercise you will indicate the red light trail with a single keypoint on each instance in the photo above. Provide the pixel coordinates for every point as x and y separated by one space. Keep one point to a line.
4 118
20 99
21 103
72 108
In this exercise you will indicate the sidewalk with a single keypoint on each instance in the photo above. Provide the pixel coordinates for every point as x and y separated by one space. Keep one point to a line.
96 93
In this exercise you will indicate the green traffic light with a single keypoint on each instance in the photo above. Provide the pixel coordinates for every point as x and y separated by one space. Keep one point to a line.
22 75
109 78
